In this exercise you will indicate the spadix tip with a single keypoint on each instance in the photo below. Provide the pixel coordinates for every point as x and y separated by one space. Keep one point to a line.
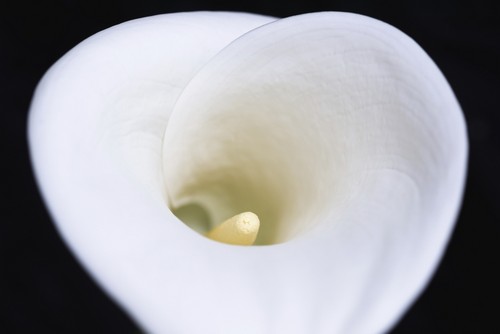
241 229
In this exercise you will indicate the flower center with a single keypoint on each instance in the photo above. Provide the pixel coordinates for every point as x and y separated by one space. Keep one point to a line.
263 163
215 196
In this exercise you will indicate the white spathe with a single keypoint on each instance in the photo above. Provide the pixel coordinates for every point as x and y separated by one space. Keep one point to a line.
335 128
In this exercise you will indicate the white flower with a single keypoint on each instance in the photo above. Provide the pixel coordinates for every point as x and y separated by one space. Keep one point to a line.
336 129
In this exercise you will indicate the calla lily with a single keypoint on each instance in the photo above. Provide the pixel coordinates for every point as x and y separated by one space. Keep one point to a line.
336 129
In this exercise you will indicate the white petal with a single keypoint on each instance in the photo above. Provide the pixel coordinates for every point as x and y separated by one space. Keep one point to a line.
368 167
95 130
334 127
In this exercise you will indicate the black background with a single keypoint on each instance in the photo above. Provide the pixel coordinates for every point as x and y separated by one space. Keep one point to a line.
43 289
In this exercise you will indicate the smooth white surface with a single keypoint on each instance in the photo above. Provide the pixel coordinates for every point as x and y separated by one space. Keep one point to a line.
336 129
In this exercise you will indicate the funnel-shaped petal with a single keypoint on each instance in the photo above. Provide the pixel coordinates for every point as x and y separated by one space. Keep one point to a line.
337 130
